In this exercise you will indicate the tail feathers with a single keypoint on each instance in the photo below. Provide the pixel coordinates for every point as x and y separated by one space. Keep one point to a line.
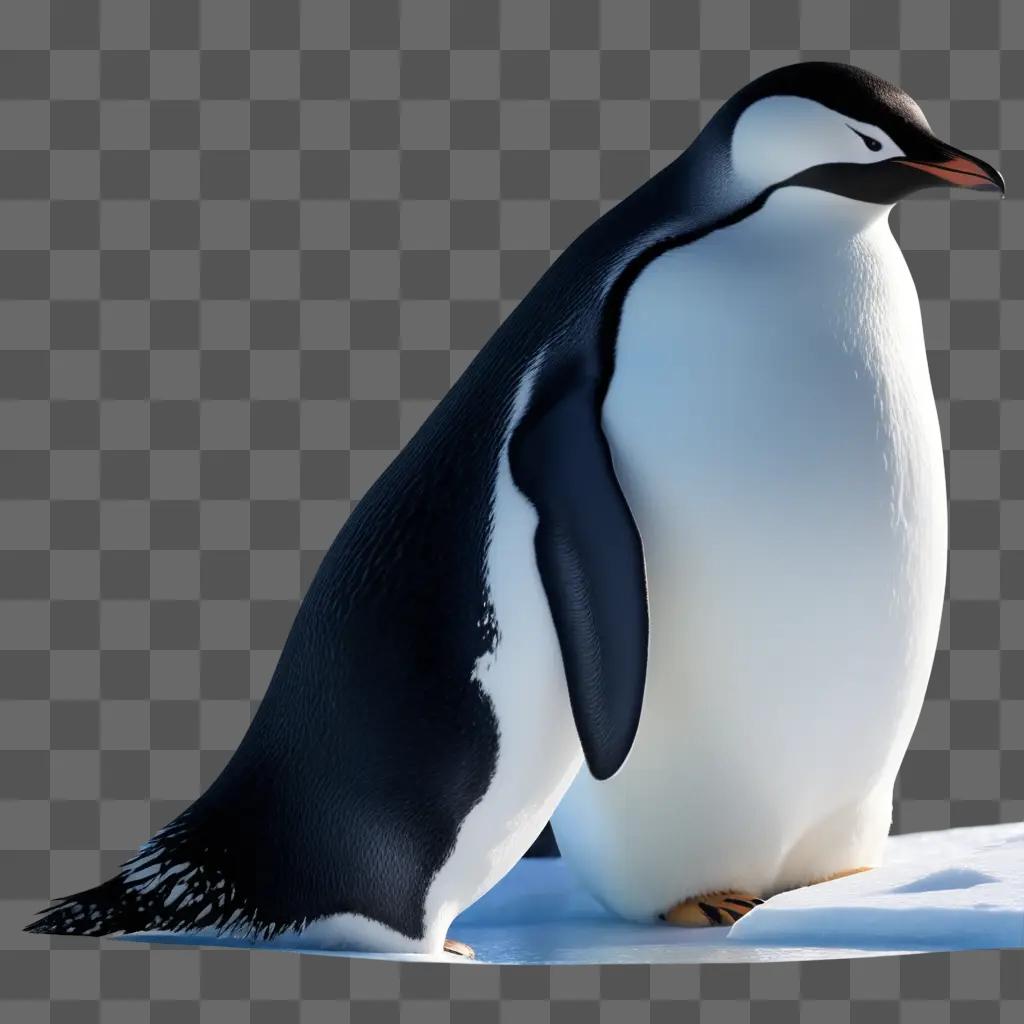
104 910
155 891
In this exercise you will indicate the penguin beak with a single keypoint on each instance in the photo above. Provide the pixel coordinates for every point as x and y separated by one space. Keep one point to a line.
954 167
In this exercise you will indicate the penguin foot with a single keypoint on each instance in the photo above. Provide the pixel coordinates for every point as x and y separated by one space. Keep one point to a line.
459 948
711 909
839 874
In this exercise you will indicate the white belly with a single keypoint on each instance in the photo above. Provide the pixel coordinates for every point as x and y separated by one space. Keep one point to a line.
539 752
773 426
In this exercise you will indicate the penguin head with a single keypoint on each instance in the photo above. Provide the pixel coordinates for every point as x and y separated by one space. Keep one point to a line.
842 130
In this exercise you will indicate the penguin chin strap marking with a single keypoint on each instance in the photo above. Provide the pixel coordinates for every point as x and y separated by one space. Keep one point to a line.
883 183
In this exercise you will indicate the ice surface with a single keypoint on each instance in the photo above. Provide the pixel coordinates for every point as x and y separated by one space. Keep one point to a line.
958 889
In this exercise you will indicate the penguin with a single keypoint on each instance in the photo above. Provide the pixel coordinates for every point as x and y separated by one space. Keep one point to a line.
687 498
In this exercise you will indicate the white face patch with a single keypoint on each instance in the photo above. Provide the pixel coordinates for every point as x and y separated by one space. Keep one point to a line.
780 136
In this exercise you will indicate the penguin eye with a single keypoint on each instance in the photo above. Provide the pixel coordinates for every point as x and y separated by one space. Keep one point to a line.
873 144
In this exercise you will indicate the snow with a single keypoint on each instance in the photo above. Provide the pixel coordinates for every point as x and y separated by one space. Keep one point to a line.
958 889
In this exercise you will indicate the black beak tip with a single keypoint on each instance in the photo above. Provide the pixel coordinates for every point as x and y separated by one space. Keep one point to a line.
996 183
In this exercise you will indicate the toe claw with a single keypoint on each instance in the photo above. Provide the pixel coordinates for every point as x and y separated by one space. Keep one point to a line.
711 913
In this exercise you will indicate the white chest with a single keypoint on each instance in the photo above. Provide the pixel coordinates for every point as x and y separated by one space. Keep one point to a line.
772 420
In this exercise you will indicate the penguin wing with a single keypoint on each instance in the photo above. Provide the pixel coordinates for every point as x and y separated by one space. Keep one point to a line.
590 557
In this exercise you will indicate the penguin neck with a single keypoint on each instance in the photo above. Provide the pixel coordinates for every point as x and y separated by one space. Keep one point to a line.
800 215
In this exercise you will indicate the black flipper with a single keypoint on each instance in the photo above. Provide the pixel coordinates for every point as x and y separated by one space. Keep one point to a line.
589 553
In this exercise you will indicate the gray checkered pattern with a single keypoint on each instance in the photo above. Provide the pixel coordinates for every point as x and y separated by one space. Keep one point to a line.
246 246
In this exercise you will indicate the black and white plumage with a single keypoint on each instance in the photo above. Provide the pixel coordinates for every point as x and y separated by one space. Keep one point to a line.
482 623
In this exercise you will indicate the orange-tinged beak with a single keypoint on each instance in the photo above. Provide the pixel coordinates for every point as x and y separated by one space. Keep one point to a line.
961 170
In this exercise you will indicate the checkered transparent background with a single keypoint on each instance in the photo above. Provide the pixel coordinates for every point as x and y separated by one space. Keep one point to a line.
246 246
